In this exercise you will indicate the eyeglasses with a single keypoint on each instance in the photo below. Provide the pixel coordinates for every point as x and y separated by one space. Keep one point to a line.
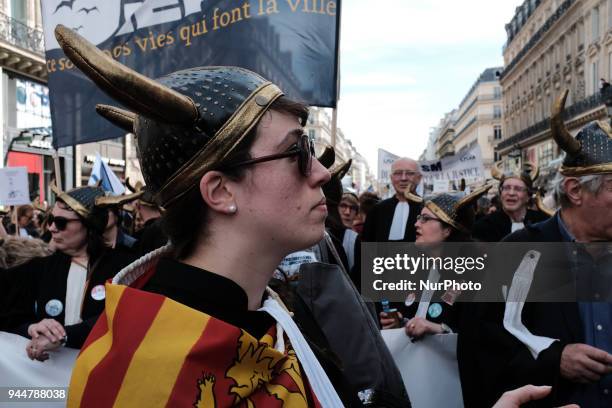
344 206
303 149
408 173
425 218
60 222
518 189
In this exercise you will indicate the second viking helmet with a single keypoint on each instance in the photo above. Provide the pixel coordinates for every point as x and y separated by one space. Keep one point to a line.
186 122
590 152
448 206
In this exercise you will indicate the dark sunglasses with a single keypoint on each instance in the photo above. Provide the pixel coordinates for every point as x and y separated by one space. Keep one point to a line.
303 149
60 222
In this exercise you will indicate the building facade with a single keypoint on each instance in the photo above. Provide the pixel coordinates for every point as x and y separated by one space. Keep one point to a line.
477 121
552 46
25 116
319 128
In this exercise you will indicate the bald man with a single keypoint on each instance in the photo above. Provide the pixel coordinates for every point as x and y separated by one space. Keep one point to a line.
393 219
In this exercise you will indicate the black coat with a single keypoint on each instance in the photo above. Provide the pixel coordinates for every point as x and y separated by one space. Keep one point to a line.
494 227
379 220
492 361
25 291
150 237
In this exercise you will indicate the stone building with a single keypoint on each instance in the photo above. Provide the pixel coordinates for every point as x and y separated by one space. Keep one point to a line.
552 45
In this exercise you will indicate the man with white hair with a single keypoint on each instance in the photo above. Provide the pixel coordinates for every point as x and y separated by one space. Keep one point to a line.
393 219
563 344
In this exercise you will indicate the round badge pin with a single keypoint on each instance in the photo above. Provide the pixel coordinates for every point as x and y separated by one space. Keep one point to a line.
54 307
435 310
410 299
98 292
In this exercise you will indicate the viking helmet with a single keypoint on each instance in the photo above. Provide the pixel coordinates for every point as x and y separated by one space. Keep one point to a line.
590 152
528 174
449 206
186 123
82 200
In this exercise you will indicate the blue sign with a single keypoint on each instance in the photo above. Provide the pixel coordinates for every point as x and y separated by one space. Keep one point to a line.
293 43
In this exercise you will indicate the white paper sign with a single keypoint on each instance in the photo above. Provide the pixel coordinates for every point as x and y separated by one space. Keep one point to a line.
440 186
14 189
465 165
428 367
18 371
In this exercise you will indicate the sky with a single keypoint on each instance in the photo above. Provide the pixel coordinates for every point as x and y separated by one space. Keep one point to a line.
404 63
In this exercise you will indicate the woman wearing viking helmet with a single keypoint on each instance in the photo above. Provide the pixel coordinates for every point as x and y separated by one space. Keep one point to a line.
193 323
56 299
445 217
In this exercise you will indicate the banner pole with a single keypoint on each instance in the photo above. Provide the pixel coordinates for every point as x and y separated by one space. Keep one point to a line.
58 174
334 127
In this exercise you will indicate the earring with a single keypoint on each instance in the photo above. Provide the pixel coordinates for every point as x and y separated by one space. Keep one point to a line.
232 208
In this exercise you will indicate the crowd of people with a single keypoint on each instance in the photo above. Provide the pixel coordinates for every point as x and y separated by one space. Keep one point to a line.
235 281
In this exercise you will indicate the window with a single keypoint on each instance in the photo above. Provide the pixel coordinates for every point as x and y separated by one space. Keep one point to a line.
496 157
609 65
609 13
18 10
497 90
497 112
545 154
594 77
595 23
497 132
312 134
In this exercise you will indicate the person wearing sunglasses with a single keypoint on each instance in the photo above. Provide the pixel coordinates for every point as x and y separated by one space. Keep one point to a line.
393 219
223 151
56 299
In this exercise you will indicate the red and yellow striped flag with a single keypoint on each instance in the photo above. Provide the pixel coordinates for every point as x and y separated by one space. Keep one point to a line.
148 350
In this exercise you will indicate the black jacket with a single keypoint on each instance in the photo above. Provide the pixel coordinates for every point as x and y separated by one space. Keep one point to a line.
494 227
26 290
496 361
379 220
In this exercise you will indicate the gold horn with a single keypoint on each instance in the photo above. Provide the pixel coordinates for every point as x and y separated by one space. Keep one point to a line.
328 157
559 132
118 117
106 201
412 197
474 195
540 205
341 171
129 185
495 172
136 91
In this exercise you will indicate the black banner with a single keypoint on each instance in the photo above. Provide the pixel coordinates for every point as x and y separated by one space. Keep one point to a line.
293 43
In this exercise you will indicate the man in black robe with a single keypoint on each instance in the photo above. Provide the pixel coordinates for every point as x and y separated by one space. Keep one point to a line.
393 219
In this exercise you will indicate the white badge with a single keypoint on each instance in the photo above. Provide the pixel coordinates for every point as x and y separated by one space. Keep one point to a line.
54 307
410 299
98 292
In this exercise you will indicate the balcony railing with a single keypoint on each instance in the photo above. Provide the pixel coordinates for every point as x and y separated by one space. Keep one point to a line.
538 35
596 100
21 35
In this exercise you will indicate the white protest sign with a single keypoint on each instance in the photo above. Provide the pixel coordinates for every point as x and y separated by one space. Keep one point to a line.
428 367
466 165
14 189
385 160
440 186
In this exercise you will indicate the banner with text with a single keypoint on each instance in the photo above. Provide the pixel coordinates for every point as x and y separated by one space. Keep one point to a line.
293 43
466 165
